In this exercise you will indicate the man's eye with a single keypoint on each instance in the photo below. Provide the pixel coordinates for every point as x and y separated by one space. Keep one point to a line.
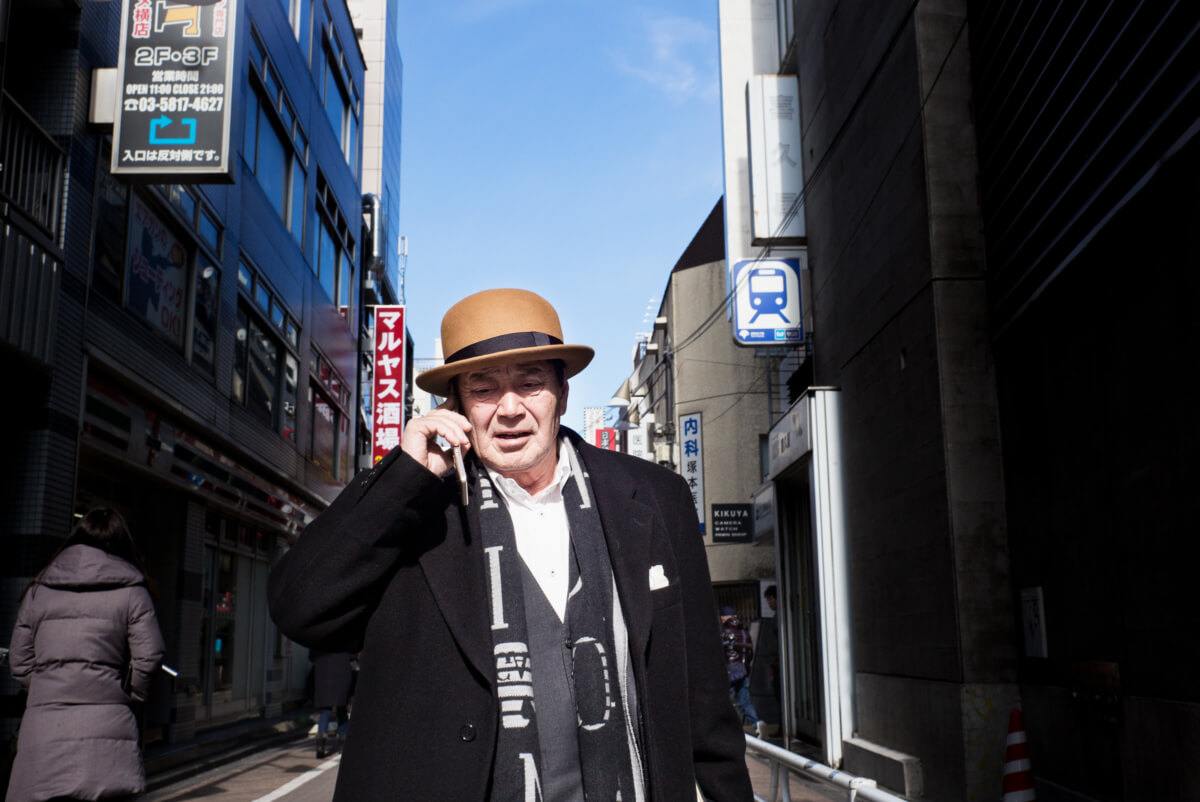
533 386
482 392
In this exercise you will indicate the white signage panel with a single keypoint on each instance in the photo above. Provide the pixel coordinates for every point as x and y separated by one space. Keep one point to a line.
776 171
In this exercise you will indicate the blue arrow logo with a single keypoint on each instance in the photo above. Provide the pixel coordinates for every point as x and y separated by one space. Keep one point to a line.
158 124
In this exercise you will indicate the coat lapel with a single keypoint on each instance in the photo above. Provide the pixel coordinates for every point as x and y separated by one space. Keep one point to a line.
454 570
627 529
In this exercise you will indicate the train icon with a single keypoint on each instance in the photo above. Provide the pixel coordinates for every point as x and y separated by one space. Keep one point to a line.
768 292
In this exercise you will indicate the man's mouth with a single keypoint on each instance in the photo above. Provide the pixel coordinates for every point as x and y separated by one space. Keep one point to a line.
511 435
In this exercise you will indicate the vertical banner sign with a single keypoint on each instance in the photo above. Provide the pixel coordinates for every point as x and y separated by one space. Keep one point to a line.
776 172
606 439
388 389
176 72
692 467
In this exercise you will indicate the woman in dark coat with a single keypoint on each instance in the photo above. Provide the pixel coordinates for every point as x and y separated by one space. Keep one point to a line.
85 646
333 682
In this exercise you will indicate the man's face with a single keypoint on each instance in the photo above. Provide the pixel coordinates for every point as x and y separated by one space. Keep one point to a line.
514 412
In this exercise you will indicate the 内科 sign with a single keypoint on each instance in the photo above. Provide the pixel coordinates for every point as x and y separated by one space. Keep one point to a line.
176 72
388 386
691 460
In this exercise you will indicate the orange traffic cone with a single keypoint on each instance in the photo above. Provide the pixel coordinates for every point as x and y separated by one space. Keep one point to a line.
1018 776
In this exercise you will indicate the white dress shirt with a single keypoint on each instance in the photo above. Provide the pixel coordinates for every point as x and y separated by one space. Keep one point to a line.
541 529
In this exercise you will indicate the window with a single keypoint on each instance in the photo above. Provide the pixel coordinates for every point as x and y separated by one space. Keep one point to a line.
112 215
265 371
334 264
341 98
329 398
273 143
171 279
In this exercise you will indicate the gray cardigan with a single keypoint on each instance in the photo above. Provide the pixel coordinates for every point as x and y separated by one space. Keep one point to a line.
87 621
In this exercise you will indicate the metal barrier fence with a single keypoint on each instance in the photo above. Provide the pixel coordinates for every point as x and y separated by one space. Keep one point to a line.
783 763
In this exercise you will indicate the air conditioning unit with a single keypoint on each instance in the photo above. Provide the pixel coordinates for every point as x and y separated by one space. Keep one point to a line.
662 452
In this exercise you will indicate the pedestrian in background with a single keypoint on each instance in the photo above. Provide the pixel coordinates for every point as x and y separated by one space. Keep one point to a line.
739 651
333 684
85 646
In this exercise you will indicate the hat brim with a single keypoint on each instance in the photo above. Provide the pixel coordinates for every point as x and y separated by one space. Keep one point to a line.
437 380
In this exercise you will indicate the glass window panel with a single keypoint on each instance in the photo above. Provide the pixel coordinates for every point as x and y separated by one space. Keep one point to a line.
256 52
346 292
263 375
157 273
291 384
108 253
326 373
273 158
301 143
352 143
327 270
250 138
204 329
241 350
224 610
210 231
277 316
324 427
335 105
298 179
245 277
272 84
293 333
286 115
186 203
262 297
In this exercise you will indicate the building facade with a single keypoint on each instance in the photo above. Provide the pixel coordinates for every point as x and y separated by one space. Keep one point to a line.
979 182
699 404
194 356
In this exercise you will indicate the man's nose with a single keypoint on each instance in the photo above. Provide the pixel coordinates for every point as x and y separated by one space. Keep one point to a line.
510 403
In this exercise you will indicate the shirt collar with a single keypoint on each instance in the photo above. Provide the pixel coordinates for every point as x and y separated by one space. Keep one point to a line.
515 494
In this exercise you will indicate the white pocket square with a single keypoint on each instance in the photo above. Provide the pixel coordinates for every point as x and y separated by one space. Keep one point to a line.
657 578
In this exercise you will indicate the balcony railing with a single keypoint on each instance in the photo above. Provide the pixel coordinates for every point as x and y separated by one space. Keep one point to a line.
31 168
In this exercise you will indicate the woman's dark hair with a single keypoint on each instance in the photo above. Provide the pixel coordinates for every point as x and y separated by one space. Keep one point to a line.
103 528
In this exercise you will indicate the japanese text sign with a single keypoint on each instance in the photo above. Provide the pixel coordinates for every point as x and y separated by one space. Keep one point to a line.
388 386
176 70
606 439
691 460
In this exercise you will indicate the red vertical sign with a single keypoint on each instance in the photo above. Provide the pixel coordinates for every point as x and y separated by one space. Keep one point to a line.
388 390
606 439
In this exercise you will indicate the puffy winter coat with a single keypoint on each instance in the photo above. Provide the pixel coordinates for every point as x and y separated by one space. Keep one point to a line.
86 644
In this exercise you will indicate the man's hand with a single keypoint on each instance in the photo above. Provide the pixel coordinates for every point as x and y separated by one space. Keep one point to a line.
420 438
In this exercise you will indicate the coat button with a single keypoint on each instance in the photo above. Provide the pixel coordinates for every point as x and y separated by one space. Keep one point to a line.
467 733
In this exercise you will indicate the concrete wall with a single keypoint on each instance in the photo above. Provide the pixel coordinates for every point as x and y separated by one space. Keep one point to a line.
726 383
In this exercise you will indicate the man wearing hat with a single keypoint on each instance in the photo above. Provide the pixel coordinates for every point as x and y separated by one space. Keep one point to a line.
542 629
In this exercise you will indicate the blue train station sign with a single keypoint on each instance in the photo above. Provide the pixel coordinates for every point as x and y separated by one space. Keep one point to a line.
766 302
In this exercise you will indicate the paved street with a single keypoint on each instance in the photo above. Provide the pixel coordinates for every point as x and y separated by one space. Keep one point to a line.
293 774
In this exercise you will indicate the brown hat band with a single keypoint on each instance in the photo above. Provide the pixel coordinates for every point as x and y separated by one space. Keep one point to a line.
504 342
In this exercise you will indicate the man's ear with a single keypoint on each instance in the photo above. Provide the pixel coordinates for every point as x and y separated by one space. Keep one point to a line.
562 400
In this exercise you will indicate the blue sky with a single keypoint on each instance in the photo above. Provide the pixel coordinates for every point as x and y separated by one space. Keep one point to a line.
569 147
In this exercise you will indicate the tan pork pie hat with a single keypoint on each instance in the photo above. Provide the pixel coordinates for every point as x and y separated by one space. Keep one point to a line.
500 327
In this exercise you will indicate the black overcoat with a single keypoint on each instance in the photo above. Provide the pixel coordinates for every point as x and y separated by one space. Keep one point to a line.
394 569
333 678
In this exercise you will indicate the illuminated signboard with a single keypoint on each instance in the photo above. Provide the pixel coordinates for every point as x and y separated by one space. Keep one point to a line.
176 73
388 406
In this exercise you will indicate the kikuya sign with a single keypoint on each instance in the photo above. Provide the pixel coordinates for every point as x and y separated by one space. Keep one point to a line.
176 72
732 523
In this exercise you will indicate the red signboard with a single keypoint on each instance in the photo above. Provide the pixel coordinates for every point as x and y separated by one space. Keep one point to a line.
606 439
388 391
